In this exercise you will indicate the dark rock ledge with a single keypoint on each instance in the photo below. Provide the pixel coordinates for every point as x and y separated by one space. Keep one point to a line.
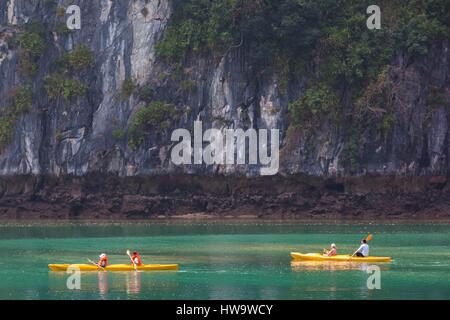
98 196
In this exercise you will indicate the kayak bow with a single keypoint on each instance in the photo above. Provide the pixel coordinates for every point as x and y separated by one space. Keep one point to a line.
319 257
114 267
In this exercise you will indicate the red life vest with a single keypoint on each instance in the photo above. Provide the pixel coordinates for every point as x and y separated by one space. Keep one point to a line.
332 252
103 262
138 257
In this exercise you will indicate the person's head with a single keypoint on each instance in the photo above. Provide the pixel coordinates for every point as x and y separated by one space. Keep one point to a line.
363 241
135 253
333 246
103 255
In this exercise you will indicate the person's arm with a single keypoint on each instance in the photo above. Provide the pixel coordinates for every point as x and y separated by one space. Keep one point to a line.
359 250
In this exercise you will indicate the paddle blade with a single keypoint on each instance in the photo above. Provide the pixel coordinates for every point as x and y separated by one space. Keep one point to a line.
369 237
128 252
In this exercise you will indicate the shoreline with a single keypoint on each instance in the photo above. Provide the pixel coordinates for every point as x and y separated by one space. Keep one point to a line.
176 220
193 197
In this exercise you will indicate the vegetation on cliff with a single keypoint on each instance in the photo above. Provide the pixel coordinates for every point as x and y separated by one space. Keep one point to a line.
346 64
156 117
293 32
56 85
32 45
79 58
19 102
65 81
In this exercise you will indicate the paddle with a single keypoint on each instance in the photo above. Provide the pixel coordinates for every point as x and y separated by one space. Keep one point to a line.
368 238
134 264
96 264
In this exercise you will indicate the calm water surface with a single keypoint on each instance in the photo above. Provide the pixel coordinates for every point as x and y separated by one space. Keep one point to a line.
221 260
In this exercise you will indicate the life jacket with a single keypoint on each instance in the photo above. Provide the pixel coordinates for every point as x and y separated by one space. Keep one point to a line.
103 262
138 257
332 252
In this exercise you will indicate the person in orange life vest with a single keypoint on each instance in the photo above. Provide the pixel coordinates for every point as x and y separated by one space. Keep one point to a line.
136 258
332 252
103 262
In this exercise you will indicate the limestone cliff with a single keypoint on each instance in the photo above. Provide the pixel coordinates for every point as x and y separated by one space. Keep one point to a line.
76 137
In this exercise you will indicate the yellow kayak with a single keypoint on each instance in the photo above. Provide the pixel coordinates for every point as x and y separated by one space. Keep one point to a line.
114 267
319 257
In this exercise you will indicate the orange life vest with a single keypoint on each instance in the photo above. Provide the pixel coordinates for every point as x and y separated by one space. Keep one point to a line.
332 252
138 257
103 262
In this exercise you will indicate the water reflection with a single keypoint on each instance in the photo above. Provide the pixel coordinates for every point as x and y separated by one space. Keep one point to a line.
103 283
133 282
300 266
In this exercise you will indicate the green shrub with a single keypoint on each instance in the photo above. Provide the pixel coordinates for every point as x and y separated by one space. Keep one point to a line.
59 136
128 87
157 116
316 103
52 85
146 93
60 11
61 28
387 124
118 134
20 102
420 24
135 137
73 88
21 99
7 126
57 86
32 43
36 27
199 26
27 66
80 57
154 115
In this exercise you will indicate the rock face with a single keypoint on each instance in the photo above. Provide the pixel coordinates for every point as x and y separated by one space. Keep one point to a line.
75 138
103 196
56 139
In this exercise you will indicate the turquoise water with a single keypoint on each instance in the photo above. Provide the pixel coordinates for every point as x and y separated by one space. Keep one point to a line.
220 260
